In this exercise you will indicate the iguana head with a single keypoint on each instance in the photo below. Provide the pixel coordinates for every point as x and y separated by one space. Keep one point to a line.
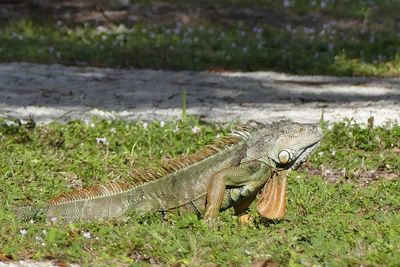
283 145
293 143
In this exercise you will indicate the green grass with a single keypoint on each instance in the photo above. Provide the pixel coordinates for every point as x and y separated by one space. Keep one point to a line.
341 38
347 222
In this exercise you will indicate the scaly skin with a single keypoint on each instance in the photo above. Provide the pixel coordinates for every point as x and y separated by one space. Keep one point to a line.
214 179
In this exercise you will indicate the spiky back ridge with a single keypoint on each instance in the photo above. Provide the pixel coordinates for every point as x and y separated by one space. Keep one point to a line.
168 167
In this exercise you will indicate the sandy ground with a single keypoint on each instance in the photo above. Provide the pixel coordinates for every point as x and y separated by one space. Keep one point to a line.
49 92
55 92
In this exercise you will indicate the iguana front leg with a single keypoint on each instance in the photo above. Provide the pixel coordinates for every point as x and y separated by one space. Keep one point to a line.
235 176
240 210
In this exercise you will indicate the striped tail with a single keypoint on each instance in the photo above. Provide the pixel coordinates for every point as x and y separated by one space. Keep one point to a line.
26 213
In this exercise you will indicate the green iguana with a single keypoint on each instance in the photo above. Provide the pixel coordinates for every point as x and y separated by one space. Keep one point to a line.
228 173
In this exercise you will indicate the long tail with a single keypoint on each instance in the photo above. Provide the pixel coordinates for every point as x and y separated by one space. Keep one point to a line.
26 213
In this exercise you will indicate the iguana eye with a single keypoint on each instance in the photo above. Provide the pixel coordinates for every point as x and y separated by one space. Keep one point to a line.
284 157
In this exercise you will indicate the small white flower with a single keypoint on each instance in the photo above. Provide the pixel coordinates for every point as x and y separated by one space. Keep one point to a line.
102 140
218 136
31 221
113 130
23 231
196 130
333 153
286 3
44 232
176 129
145 124
245 49
323 4
102 29
162 123
87 235
321 153
53 219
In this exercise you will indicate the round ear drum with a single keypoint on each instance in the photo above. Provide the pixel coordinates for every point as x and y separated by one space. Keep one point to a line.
284 156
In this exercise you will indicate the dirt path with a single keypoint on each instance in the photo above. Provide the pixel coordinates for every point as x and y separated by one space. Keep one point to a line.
48 92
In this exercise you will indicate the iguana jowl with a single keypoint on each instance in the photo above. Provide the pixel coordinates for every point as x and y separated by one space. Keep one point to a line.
228 173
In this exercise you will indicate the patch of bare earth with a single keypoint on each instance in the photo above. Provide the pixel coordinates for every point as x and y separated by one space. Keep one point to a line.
362 176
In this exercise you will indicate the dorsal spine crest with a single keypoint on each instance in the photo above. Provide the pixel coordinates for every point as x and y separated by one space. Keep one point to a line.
168 167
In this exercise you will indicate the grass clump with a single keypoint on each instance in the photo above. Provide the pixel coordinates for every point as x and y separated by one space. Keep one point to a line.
360 222
360 149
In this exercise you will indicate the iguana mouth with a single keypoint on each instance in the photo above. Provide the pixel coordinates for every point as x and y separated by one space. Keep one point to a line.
304 154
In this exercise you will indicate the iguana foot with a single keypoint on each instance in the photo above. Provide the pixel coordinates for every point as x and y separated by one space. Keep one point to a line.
245 219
